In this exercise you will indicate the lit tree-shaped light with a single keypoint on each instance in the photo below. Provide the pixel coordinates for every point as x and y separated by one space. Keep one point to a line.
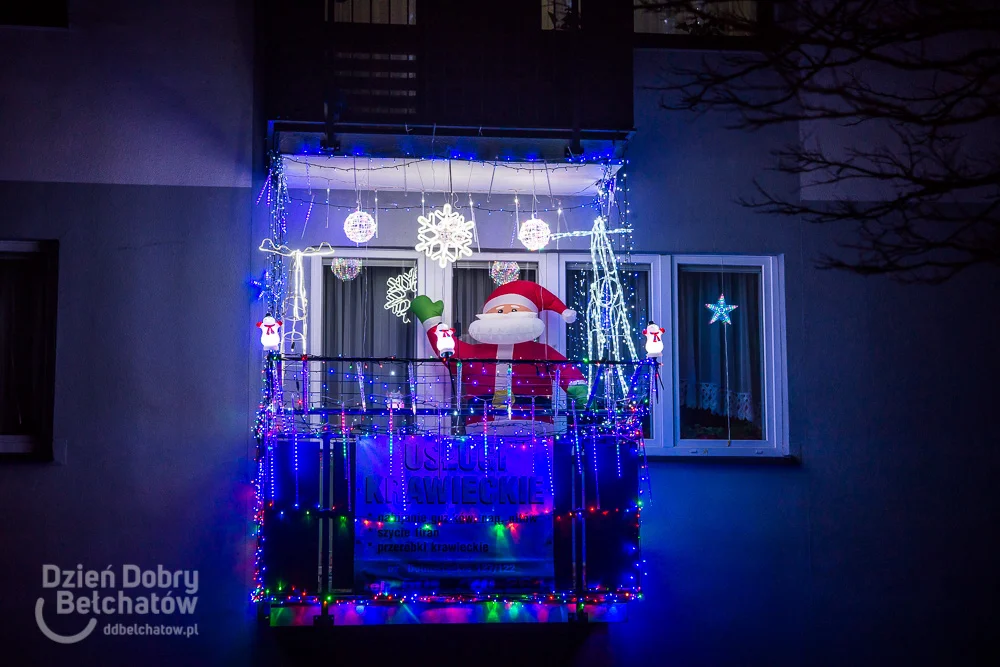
608 321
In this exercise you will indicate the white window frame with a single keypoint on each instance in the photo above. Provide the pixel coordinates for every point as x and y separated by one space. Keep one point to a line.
427 283
774 364
544 274
659 284
437 283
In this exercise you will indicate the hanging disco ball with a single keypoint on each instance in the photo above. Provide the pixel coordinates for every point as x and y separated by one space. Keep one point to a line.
504 272
359 227
534 234
346 268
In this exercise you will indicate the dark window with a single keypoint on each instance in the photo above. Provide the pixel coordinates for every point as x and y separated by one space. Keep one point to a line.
561 14
27 346
697 18
35 13
389 12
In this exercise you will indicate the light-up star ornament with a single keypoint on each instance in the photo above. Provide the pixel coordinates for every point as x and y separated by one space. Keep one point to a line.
445 235
720 310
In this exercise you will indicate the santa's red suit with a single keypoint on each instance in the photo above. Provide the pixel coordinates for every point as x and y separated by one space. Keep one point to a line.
485 384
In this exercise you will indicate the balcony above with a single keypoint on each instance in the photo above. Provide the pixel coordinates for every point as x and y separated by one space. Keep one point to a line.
454 66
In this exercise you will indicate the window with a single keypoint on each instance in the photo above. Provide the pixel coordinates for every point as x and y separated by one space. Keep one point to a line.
728 356
561 14
721 388
699 18
635 292
357 322
35 13
394 12
471 285
27 346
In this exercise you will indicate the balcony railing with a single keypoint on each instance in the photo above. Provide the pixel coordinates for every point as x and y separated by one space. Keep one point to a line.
372 395
443 485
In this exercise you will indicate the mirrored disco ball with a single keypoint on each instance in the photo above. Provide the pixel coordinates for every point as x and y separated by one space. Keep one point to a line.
346 268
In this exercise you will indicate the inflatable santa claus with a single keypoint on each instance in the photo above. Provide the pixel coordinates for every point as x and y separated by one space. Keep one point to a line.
507 330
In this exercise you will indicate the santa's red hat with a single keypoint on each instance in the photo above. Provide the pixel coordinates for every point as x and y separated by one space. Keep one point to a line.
531 296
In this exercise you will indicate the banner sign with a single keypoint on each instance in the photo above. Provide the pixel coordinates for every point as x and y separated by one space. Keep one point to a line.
453 515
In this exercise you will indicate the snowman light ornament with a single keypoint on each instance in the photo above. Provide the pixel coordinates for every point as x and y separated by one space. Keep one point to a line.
445 340
654 344
269 336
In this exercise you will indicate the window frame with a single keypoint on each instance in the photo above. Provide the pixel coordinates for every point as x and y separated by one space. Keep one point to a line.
663 306
758 41
487 256
774 363
39 446
659 284
426 284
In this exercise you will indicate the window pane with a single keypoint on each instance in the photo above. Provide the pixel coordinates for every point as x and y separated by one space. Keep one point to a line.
362 11
23 339
355 321
560 14
698 18
720 365
634 280
356 324
471 285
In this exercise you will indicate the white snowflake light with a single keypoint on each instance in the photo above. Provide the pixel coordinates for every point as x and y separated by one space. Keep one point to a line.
534 234
445 235
399 290
359 227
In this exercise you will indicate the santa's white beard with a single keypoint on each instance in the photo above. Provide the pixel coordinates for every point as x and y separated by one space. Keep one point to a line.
506 329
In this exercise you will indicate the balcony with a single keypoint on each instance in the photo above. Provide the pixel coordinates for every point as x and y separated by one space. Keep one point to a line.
450 68
414 491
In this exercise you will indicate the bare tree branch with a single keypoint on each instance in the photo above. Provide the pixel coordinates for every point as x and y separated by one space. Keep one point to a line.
911 91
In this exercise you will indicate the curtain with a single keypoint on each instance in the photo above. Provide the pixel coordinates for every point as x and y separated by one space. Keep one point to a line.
356 324
719 365
471 287
22 343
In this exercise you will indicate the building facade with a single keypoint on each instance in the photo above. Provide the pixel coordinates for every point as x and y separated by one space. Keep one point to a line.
137 140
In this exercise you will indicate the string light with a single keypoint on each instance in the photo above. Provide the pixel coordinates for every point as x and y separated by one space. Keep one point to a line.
296 306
